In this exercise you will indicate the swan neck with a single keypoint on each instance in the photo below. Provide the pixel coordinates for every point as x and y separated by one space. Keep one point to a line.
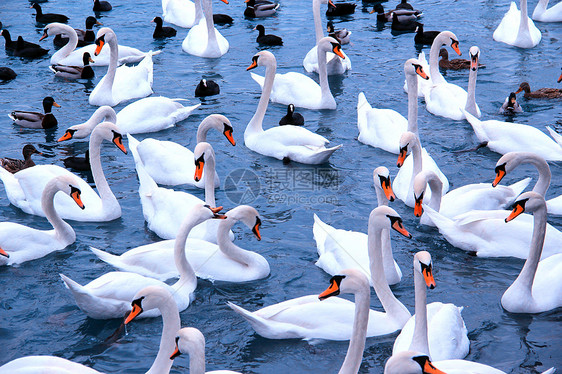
420 341
211 35
417 158
436 76
113 59
209 171
354 354
197 360
70 46
436 187
187 280
317 20
471 94
544 176
524 23
62 229
170 325
412 103
230 249
198 12
381 197
97 171
323 75
256 123
203 129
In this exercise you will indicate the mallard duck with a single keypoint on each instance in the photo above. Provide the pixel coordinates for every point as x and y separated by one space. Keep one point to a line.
162 31
11 45
403 14
424 37
402 24
75 72
510 105
545 93
207 88
6 73
41 17
84 37
260 8
78 163
455 64
268 39
102 6
292 118
36 120
340 9
341 36
13 165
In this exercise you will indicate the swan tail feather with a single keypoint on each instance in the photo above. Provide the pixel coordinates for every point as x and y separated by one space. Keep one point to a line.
266 328
476 126
549 371
518 187
321 230
80 294
556 136
106 257
363 107
258 78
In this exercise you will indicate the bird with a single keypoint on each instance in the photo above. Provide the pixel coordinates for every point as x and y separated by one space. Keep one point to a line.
340 9
424 37
544 93
267 39
162 32
36 120
510 105
222 19
260 8
78 163
292 118
404 5
11 45
403 25
84 37
75 72
41 17
553 14
207 88
341 36
454 64
403 14
517 28
24 50
101 6
14 165
6 73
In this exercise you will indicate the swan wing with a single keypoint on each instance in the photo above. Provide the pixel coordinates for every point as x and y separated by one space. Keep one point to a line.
45 364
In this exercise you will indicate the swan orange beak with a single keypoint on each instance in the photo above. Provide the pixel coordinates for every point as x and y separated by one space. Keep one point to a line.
421 73
67 136
402 156
331 3
428 368
473 62
99 47
387 189
176 351
500 173
256 228
428 276
246 1
216 212
398 226
4 253
75 194
228 134
517 210
118 141
418 209
334 288
560 78
199 164
225 1
337 51
45 35
253 65
455 46
135 312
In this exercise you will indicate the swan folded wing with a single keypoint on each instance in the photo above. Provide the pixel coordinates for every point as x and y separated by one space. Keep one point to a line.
547 287
45 364
447 331
295 88
508 28
290 135
12 235
130 82
465 367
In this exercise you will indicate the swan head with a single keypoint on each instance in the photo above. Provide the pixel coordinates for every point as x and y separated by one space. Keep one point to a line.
386 217
329 44
191 341
529 202
263 58
348 281
448 38
202 153
249 216
474 53
410 363
103 113
381 179
110 132
420 184
424 266
511 160
524 87
408 141
221 124
413 66
104 35
53 29
148 298
67 184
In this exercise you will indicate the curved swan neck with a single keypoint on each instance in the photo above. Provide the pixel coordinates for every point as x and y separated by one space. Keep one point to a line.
412 103
209 170
62 229
323 75
70 46
256 123
317 20
229 248
354 354
197 359
436 187
436 76
111 39
170 325
545 174
470 106
198 12
416 158
97 171
420 341
187 280
203 129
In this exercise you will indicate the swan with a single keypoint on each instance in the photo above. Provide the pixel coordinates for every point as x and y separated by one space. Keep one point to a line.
44 364
341 249
448 100
504 137
511 160
203 39
20 243
70 56
297 88
223 262
182 13
172 164
125 82
449 338
104 113
423 84
109 295
307 318
282 142
382 128
334 64
517 29
24 188
412 166
541 14
464 199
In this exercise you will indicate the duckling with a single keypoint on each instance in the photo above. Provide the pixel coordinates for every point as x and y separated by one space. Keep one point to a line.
406 25
162 32
47 17
77 162
292 118
545 93
22 50
341 36
455 64
84 37
13 165
257 9
7 74
101 6
36 120
11 45
75 72
510 105
207 88
268 39
424 37
340 9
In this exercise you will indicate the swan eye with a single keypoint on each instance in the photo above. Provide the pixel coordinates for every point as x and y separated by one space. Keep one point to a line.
419 198
100 40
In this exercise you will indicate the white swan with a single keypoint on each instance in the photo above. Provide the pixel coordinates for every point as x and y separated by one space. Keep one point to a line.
382 128
172 164
289 143
481 196
20 243
335 64
342 249
44 364
538 288
203 39
449 338
223 262
104 113
503 137
125 82
181 13
423 84
542 14
411 166
70 56
297 88
517 29
109 295
449 100
307 318
24 189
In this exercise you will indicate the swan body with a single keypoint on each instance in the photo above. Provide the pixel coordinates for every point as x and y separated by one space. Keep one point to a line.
22 243
542 14
24 189
204 40
504 137
517 29
179 12
282 142
45 364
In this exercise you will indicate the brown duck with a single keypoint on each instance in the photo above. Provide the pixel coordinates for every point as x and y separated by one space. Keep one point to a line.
546 93
455 64
14 165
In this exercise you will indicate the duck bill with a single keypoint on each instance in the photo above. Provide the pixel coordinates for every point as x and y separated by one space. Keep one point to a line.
428 368
91 60
228 135
499 176
455 46
520 89
418 210
515 212
199 170
337 51
67 136
333 290
55 104
4 253
99 47
421 73
135 312
176 353
397 225
401 157
252 66
331 3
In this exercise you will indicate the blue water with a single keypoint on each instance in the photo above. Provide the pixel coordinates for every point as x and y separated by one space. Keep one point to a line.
39 316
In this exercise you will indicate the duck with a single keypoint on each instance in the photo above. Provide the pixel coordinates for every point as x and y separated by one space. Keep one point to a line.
222 19
14 165
297 88
404 15
75 72
404 5
224 261
424 37
340 9
101 6
260 8
171 164
125 82
78 163
517 29
546 93
538 288
339 249
449 338
267 39
11 45
22 50
7 74
204 40
47 17
162 32
22 243
207 87
287 143
542 14
292 118
36 120
109 295
182 13
342 36
404 24
335 65
510 106
104 113
454 64
84 37
25 187
503 137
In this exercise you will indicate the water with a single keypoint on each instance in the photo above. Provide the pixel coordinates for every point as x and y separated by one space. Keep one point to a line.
39 316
